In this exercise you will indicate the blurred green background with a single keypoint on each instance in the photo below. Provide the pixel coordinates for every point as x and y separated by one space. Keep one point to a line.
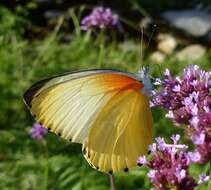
33 47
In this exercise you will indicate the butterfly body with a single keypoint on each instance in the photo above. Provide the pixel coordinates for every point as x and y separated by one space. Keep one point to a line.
104 110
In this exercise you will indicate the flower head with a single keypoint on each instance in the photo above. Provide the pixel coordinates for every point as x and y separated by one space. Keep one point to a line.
37 131
187 99
169 165
100 17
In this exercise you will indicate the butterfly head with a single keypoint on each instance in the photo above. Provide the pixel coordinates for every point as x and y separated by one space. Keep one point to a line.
145 78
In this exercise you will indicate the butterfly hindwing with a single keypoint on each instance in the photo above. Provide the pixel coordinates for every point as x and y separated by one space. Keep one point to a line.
120 133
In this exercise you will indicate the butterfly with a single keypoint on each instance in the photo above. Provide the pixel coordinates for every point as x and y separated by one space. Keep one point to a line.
107 111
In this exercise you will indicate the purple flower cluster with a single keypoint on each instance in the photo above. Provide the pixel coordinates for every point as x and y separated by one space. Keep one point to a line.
169 165
188 102
100 17
37 131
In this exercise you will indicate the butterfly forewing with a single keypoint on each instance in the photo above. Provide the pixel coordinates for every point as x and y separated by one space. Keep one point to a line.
69 104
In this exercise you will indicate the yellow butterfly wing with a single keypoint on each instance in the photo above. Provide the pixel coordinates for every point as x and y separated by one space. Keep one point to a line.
68 105
121 132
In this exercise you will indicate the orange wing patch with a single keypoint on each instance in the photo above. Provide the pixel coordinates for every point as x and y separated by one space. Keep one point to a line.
102 83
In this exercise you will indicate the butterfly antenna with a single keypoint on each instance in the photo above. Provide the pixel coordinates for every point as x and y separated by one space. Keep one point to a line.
151 35
141 48
142 37
148 44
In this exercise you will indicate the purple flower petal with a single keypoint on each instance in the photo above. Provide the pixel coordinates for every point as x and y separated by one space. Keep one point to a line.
195 109
170 115
194 121
194 95
198 138
176 88
151 104
167 73
175 138
188 102
151 174
153 147
194 83
142 160
194 156
203 178
157 81
161 143
180 174
206 109
178 79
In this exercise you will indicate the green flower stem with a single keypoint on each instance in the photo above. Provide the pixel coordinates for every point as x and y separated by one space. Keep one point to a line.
101 56
46 172
101 41
112 181
209 183
45 184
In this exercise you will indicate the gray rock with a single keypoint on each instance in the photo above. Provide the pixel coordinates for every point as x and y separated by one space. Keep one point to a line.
167 43
54 14
191 53
128 46
157 57
196 23
43 1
